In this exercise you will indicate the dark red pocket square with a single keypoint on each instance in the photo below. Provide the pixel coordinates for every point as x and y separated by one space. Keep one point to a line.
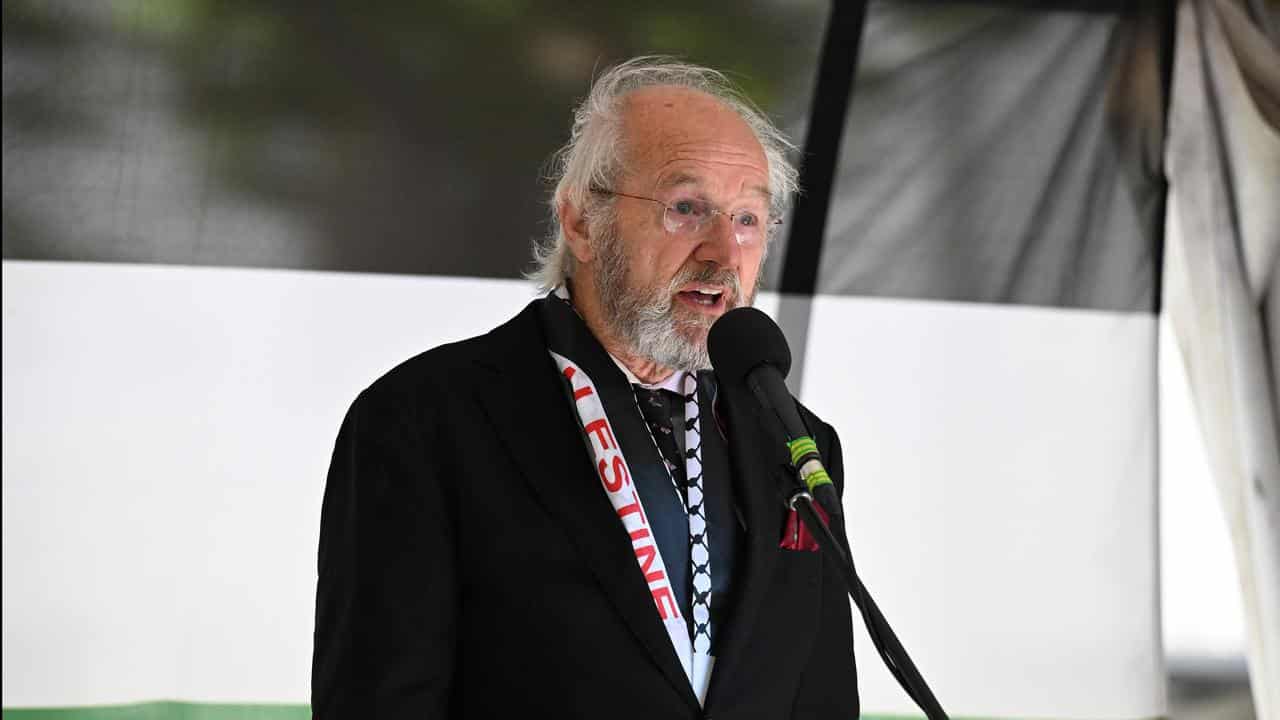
795 536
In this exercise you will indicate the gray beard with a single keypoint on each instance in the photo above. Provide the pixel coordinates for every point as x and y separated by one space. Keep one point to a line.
647 320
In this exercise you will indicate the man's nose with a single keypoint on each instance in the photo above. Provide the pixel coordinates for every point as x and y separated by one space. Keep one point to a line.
719 243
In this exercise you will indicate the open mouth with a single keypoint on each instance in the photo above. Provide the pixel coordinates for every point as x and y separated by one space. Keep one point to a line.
704 298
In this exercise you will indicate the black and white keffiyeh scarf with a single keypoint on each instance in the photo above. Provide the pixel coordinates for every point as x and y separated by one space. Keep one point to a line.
656 503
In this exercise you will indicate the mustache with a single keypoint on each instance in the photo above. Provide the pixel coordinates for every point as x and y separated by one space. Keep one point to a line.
711 275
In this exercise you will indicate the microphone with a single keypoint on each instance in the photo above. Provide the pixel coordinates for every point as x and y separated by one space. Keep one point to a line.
748 346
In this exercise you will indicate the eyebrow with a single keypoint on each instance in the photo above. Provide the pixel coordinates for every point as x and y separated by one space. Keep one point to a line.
680 178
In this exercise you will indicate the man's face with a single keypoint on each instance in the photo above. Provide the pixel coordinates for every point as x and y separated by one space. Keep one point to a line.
661 291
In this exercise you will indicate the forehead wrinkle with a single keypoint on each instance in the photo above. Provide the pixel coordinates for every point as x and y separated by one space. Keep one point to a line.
727 154
723 154
747 165
668 178
706 145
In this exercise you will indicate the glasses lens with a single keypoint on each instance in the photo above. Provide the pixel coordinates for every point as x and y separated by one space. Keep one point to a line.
748 234
750 226
685 215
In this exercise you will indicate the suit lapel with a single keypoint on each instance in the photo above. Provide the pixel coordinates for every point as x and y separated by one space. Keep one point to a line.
755 464
527 404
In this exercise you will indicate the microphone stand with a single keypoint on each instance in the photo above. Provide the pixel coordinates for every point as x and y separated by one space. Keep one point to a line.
882 636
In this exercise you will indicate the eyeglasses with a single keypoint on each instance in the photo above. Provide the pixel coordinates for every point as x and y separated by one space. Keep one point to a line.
688 216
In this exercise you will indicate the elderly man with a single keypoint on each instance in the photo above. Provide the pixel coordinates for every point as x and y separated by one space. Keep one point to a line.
571 516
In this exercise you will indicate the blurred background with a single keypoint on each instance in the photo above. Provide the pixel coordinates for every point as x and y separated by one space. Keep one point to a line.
207 202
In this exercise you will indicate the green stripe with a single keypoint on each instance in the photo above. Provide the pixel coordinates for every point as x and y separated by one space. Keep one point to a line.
816 478
164 710
800 447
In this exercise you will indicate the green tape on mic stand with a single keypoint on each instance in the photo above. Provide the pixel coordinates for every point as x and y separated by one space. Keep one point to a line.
804 456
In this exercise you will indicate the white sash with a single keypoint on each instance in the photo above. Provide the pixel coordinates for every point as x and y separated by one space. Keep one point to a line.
615 478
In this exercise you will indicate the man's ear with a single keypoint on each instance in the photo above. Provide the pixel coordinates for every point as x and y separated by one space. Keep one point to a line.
573 223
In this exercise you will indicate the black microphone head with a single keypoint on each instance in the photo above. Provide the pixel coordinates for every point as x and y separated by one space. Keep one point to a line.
742 340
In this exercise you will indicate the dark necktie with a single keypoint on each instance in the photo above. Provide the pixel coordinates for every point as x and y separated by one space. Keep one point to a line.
658 407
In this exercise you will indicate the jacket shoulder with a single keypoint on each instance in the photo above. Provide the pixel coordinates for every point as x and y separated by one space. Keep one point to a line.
819 427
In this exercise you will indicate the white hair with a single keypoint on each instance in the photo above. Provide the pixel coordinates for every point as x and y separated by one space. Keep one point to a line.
592 158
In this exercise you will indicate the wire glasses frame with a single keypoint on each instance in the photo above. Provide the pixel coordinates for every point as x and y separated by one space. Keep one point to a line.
688 216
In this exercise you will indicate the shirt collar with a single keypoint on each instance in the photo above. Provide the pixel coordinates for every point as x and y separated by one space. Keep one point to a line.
674 382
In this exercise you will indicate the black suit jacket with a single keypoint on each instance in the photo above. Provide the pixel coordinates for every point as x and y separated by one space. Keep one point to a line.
470 565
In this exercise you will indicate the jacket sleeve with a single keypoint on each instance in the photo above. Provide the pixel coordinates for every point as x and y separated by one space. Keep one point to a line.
386 594
829 682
